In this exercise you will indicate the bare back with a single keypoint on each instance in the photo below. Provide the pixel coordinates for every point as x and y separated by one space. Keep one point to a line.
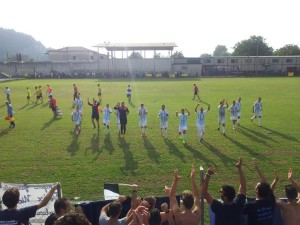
290 213
188 218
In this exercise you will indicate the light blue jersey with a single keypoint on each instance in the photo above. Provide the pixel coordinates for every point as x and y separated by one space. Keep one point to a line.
78 102
143 115
239 105
76 117
163 115
257 107
106 113
234 110
183 120
200 117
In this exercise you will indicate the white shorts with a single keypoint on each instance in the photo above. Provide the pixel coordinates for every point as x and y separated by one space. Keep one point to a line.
201 127
106 122
239 113
222 119
182 128
77 123
233 117
164 125
258 114
143 123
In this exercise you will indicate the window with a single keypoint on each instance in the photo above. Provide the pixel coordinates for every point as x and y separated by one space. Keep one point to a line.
289 60
248 60
91 57
221 60
74 58
275 60
234 60
184 67
207 60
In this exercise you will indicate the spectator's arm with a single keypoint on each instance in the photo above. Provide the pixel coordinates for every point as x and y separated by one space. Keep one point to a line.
293 182
260 174
204 188
208 108
195 191
47 197
134 196
275 181
174 205
242 188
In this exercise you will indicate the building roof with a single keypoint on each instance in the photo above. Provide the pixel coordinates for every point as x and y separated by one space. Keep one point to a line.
72 49
136 46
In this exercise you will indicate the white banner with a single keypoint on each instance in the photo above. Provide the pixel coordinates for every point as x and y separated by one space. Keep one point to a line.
33 194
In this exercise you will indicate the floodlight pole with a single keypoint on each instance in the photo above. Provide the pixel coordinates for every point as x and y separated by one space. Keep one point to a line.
201 198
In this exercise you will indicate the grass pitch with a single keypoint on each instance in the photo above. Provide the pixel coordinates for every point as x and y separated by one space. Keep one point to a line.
41 149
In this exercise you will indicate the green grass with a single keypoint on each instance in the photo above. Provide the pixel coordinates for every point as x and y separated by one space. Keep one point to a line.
41 149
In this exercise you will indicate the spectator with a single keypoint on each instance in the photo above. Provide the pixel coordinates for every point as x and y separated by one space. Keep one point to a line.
61 207
114 210
290 211
72 219
188 215
12 215
260 211
229 212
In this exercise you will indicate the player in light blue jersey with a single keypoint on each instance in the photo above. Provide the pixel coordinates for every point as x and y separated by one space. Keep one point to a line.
200 121
239 105
233 109
76 117
129 90
106 117
78 102
117 113
257 109
183 122
142 112
221 112
163 115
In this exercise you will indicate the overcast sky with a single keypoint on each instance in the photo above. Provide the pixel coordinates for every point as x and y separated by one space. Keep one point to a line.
196 26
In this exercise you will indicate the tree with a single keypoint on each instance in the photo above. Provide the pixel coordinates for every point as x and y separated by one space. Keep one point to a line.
254 46
205 55
157 56
221 50
135 55
178 55
288 49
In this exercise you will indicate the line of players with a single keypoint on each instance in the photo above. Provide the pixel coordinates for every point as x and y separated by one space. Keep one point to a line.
121 112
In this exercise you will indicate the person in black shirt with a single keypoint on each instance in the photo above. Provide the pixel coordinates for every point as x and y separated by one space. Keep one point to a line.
123 110
95 112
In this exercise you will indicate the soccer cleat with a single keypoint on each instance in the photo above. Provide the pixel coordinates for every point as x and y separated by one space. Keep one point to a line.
218 128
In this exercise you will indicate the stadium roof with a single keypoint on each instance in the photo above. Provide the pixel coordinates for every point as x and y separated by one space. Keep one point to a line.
137 46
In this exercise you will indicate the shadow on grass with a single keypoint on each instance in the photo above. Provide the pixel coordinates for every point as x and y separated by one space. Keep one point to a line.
224 158
49 123
108 145
205 103
4 132
247 149
153 155
95 146
74 146
259 134
2 106
251 137
46 104
287 137
32 106
130 164
23 107
198 155
174 150
131 104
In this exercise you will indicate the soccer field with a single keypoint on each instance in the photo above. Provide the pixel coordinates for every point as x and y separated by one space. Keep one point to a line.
41 149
